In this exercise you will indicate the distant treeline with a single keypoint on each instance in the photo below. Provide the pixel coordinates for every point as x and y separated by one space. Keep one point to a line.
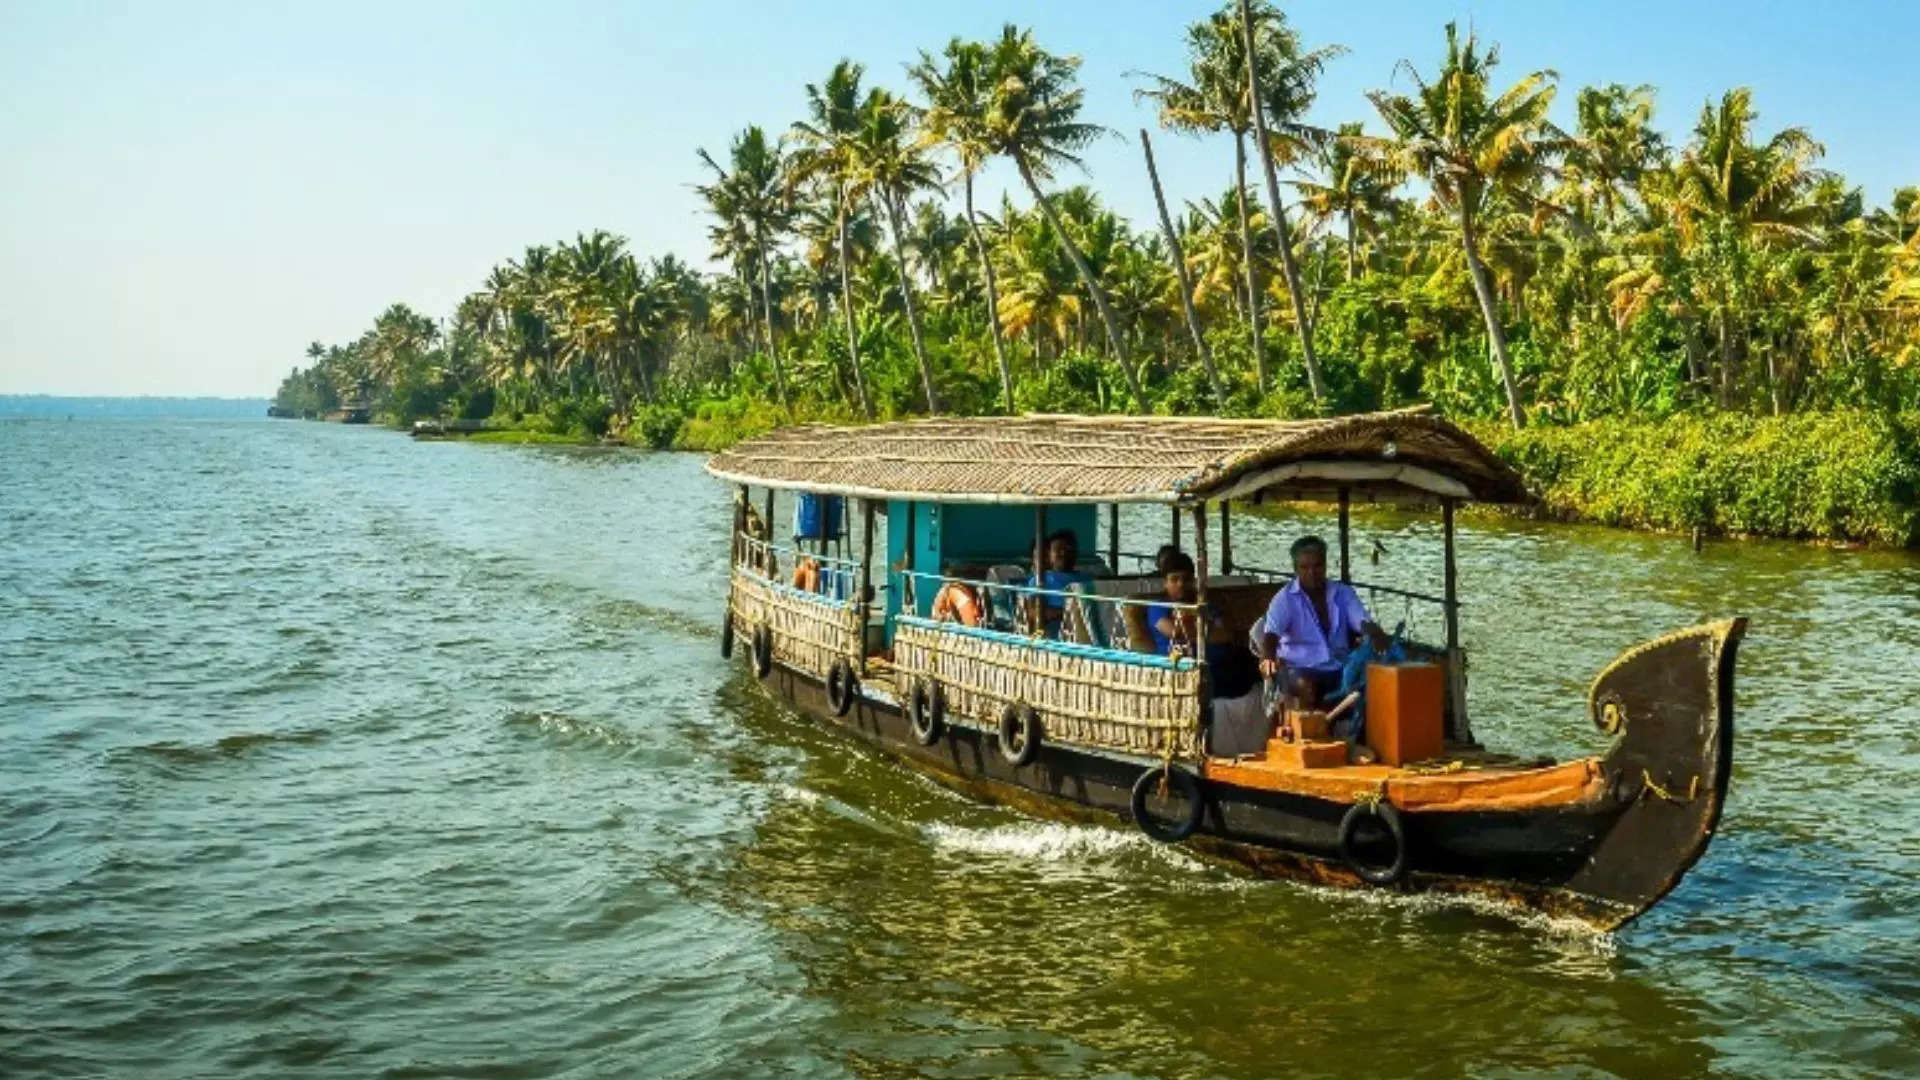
189 408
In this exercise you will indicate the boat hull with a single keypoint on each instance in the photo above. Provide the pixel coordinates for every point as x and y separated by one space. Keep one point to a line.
1602 859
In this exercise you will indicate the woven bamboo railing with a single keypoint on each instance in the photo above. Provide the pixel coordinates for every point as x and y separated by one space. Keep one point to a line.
810 631
1113 702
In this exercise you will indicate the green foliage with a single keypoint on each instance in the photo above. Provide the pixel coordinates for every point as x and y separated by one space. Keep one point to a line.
1848 475
1653 298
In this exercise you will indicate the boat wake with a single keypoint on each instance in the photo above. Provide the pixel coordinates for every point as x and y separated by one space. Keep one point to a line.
1077 847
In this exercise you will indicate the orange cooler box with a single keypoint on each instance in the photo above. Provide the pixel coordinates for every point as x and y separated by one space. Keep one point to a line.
1405 719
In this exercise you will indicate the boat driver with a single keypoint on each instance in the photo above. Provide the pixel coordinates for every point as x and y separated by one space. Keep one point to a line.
1312 624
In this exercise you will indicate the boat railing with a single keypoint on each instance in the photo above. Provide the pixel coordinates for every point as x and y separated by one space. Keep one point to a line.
833 579
1113 624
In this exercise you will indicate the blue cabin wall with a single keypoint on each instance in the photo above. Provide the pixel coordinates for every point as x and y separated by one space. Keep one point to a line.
972 532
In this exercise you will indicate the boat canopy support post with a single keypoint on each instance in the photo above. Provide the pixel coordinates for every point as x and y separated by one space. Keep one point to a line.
1113 538
1039 579
866 577
909 592
1226 537
1346 565
740 501
770 532
1200 550
1462 731
1176 528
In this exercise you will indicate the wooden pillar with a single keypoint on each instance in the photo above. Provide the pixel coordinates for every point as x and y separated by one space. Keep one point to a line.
770 518
1459 729
1200 550
1226 538
1176 528
909 588
740 498
1037 606
1452 577
866 569
1113 538
1346 569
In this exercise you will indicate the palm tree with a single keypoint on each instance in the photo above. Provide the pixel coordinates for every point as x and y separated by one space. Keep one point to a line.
1286 90
826 155
1473 147
753 196
1032 117
1732 196
956 117
889 168
1179 257
1358 188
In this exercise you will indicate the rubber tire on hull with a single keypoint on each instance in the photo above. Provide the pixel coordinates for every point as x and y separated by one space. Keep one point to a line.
1188 788
840 687
726 636
1019 735
1350 824
762 651
926 711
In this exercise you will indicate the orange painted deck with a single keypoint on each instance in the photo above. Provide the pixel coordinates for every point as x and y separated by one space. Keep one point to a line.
1469 788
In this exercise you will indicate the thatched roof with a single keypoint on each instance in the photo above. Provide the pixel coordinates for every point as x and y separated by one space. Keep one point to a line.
1085 459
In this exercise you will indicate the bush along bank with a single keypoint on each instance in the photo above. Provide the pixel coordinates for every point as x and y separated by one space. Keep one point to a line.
1849 476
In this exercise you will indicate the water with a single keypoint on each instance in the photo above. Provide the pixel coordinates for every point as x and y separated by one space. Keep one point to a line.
327 753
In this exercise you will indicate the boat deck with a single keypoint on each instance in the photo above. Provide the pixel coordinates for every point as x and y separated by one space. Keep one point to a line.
1459 781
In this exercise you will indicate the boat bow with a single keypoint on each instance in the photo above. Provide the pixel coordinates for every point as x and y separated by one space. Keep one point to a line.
1669 705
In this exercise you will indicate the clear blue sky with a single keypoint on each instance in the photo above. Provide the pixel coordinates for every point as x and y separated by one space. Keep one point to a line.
193 191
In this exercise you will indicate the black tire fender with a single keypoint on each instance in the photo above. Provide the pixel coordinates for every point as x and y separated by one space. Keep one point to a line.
841 688
1019 734
762 651
1390 817
926 711
1179 780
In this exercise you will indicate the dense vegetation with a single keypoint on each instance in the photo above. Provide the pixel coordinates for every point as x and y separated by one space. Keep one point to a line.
1451 245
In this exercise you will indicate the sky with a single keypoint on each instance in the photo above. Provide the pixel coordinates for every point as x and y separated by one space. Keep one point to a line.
192 192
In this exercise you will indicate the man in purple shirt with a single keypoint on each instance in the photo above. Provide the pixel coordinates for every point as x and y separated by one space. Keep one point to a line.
1313 623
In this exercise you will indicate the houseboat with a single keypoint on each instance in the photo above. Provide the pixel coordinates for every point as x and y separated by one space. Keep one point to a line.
950 596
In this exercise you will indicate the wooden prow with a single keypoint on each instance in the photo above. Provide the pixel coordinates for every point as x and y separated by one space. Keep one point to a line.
1669 705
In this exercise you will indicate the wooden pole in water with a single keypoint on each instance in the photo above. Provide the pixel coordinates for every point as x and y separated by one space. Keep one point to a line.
1226 538
1346 572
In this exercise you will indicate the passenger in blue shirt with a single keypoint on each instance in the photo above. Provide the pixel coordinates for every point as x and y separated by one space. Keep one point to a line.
1193 630
1059 575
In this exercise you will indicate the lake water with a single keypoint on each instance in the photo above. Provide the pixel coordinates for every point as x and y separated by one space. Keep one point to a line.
328 753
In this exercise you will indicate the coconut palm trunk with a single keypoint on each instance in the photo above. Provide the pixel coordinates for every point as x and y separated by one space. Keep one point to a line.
1302 323
906 296
1180 271
1351 272
1247 259
1483 289
766 301
846 308
1085 271
993 295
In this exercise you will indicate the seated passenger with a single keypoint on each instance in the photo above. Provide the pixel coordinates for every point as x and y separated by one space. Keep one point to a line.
806 574
1059 575
1162 558
959 601
1312 624
1193 630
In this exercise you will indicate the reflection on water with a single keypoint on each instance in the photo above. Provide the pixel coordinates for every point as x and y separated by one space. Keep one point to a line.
332 752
